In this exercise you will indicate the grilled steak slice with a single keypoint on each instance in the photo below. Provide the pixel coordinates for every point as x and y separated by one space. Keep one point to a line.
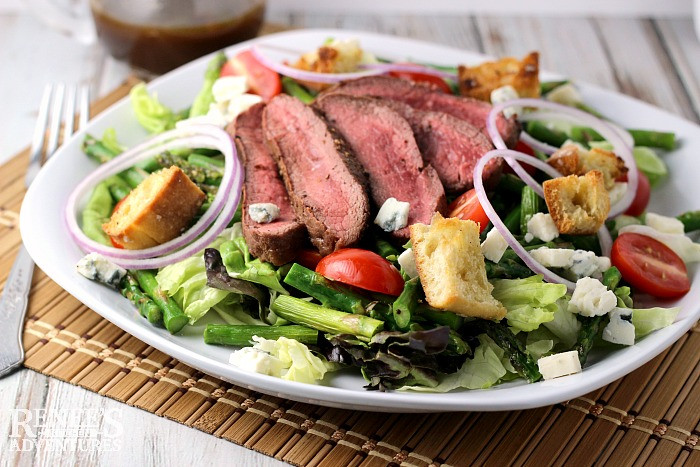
451 145
279 241
383 143
424 97
324 181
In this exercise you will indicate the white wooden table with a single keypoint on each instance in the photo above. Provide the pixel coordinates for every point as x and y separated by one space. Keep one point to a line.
655 60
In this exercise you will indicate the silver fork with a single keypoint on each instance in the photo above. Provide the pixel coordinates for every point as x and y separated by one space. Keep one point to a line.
59 102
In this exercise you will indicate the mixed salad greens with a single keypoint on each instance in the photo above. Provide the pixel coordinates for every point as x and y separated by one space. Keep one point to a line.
365 307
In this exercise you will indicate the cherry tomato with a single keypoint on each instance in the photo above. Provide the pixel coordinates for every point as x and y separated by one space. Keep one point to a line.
641 198
525 149
363 269
115 244
262 81
422 78
650 266
309 258
467 206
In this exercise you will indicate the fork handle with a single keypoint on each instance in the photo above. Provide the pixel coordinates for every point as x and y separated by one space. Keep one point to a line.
13 307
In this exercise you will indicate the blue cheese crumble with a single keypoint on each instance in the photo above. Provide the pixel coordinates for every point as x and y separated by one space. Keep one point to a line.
591 298
263 213
96 267
393 215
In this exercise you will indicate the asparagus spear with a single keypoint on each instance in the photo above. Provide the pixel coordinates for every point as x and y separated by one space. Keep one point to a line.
227 334
295 89
148 309
548 86
325 319
205 97
207 162
507 268
96 150
529 206
590 326
521 361
173 317
654 139
202 176
386 249
118 187
405 305
690 220
512 183
512 220
330 294
444 318
539 131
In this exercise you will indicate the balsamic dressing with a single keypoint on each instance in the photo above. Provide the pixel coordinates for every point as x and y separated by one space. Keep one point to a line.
157 49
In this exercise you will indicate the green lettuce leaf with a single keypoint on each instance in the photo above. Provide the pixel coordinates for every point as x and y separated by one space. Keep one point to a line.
564 325
646 320
298 363
540 342
150 113
186 282
489 366
529 302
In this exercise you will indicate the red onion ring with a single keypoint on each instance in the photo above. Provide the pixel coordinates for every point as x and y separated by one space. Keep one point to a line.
311 76
498 224
537 144
409 68
193 136
622 149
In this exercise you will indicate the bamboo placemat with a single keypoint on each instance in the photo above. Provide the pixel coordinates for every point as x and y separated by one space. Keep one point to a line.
650 416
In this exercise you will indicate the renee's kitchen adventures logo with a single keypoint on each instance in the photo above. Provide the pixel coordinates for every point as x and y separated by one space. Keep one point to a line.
65 430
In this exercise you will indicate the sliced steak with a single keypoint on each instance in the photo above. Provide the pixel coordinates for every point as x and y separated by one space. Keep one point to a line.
279 241
451 145
424 97
324 181
383 142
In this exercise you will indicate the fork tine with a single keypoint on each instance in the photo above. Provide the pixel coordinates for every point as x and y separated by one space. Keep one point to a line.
39 134
68 113
54 127
84 105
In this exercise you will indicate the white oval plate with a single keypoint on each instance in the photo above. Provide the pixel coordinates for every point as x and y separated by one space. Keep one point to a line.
47 240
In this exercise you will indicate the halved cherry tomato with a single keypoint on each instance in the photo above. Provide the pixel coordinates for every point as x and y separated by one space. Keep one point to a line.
262 81
422 78
363 269
309 258
650 266
525 149
641 198
467 206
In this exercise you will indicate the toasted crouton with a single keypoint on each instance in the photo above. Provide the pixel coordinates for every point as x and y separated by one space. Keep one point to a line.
572 160
578 204
452 269
337 56
156 211
478 81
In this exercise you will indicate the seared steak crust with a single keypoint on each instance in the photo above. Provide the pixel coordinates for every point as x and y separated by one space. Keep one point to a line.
279 241
325 183
383 143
